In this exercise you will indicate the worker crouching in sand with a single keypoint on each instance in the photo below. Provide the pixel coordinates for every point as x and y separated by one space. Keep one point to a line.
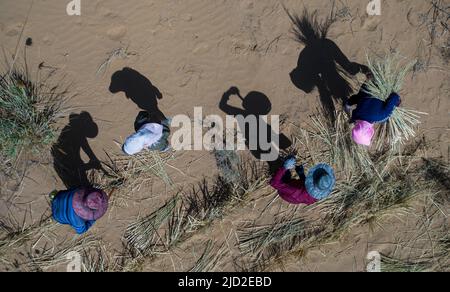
369 111
149 136
79 208
316 186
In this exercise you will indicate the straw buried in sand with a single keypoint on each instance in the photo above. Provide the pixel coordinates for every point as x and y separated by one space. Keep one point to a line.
388 76
124 175
142 237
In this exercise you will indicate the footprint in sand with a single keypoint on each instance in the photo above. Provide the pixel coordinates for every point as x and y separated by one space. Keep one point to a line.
371 23
247 4
106 12
14 30
201 49
2 27
117 33
48 39
186 17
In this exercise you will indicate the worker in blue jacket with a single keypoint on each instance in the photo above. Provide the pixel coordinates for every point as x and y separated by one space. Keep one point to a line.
369 111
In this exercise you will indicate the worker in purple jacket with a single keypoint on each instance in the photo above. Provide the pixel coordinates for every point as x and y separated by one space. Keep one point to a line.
369 111
316 186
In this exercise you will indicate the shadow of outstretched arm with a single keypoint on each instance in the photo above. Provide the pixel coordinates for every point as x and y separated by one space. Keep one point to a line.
228 109
352 68
94 162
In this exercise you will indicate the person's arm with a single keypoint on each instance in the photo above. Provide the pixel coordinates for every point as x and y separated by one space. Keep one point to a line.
340 58
93 160
277 180
354 99
225 107
390 104
83 228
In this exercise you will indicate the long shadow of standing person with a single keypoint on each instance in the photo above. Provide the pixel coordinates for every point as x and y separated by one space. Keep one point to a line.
321 63
254 104
138 89
67 151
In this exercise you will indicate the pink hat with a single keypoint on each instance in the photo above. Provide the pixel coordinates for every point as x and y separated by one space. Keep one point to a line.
90 204
363 133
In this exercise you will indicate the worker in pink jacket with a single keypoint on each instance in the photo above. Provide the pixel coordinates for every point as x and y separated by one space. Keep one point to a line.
316 186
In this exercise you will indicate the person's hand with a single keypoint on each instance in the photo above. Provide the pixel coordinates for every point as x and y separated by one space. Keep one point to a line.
369 75
290 163
95 164
234 91
348 109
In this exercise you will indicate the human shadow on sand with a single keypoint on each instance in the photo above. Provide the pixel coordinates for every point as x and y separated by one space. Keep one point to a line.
138 89
254 104
66 151
321 63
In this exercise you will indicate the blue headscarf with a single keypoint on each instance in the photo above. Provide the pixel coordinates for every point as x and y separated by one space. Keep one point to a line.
64 213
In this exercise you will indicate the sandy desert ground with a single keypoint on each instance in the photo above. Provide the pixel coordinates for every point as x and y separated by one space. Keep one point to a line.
193 51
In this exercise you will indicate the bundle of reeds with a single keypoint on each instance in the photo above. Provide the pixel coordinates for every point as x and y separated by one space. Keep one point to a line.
389 73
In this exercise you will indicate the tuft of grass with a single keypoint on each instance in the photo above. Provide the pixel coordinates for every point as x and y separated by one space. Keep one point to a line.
393 265
210 258
389 73
97 259
272 240
29 111
142 237
228 163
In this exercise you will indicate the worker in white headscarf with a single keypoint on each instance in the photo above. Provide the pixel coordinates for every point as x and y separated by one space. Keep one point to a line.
149 136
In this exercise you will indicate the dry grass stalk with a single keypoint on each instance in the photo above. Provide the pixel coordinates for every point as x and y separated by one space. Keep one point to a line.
120 53
142 237
50 258
210 258
98 259
123 176
18 234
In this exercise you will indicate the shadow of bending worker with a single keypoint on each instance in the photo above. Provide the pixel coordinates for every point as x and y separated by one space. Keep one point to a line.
321 63
138 89
255 104
66 152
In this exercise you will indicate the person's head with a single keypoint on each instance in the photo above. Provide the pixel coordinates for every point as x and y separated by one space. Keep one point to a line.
84 124
303 80
134 144
90 203
146 136
257 103
320 181
363 133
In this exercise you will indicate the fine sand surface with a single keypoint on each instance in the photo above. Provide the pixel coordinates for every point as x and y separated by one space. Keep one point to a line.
193 51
